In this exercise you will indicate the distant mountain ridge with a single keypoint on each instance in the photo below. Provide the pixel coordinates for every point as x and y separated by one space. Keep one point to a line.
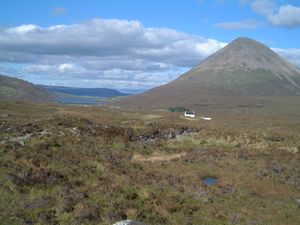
244 68
94 92
14 89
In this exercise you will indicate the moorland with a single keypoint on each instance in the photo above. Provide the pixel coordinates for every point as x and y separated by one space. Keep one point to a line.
69 164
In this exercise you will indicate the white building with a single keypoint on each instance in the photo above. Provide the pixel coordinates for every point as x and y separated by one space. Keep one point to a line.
205 118
189 114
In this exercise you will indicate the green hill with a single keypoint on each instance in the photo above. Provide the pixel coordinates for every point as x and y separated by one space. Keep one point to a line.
19 90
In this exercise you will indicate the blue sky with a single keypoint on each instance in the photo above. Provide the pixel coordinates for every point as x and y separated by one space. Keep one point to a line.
133 43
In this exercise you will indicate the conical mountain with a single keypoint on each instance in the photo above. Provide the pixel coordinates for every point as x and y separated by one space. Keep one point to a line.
244 68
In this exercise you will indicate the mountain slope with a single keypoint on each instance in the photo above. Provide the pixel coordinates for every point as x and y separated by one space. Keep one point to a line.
19 90
243 69
95 92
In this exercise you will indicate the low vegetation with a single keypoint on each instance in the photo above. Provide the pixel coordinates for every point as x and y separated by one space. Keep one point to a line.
177 109
99 165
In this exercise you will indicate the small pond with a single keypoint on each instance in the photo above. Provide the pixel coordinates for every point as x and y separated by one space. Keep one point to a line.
209 181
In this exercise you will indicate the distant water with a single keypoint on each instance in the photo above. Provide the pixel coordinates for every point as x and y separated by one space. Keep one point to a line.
80 101
209 181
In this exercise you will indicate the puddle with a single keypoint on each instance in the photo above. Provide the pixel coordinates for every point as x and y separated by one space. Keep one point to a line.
209 181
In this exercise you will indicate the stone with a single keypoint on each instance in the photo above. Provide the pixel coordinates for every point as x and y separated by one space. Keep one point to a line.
128 222
277 168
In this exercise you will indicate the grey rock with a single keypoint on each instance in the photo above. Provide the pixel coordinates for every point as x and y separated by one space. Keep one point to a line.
277 168
128 222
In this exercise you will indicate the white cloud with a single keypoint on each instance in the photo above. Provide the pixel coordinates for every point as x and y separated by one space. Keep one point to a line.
245 24
22 29
37 68
100 49
66 67
57 27
101 52
287 16
292 55
209 47
263 7
103 38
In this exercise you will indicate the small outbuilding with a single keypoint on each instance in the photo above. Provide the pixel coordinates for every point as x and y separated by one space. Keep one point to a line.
205 118
189 114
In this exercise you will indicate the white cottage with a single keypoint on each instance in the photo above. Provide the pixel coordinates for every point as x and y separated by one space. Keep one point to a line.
189 114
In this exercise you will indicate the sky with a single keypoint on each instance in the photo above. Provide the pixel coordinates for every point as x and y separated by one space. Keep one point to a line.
134 44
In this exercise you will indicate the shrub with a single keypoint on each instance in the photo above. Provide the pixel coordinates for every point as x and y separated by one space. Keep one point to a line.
177 109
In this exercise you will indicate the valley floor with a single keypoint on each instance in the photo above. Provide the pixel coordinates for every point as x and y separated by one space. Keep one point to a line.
99 165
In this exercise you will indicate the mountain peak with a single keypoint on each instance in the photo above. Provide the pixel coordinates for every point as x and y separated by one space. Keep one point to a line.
244 40
248 43
245 54
243 68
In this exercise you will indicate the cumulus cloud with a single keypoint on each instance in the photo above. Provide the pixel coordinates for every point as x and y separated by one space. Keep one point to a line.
245 24
102 49
263 7
105 38
209 47
102 53
37 68
287 16
22 29
67 67
292 55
